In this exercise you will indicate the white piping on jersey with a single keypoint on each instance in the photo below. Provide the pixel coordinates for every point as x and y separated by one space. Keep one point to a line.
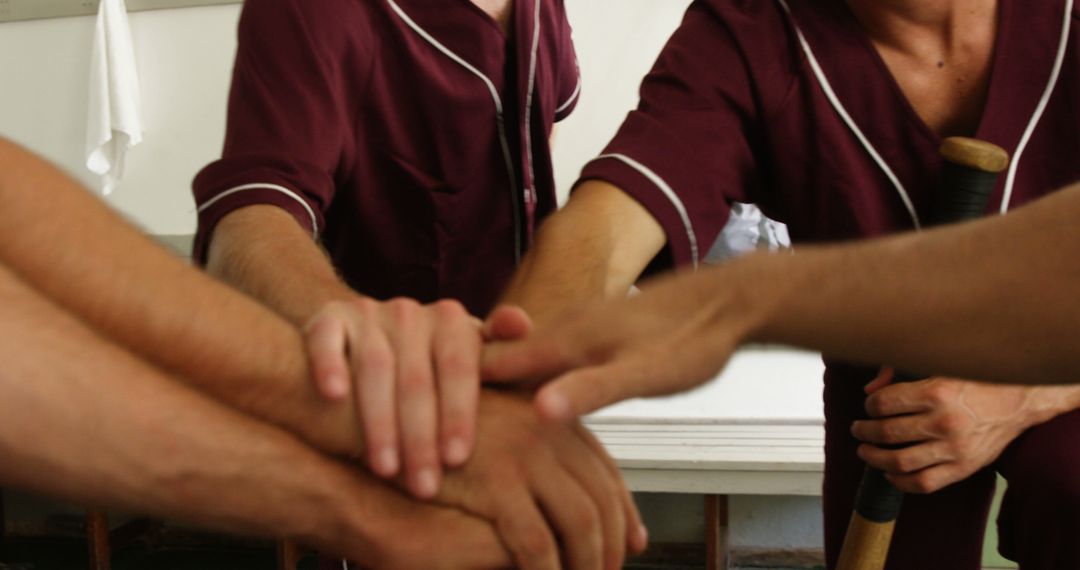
530 193
823 81
573 97
671 196
499 116
1014 165
1063 44
265 186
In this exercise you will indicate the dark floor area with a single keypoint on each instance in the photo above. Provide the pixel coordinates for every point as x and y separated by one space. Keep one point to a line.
72 555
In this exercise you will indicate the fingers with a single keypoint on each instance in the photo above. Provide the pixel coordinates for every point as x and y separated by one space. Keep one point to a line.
909 459
507 322
374 365
929 480
637 535
895 430
586 390
414 374
581 462
526 534
884 378
417 401
325 337
897 399
411 534
576 516
534 358
456 354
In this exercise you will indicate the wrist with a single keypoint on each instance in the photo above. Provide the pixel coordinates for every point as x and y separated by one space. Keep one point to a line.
319 294
357 515
756 292
1045 403
335 512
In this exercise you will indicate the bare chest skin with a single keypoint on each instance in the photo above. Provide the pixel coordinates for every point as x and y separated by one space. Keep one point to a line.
941 59
500 10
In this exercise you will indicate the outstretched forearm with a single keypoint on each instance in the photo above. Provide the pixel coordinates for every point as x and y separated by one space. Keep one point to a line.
992 299
594 248
67 245
113 431
262 251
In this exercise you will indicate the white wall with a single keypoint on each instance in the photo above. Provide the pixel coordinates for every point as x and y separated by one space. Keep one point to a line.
617 43
184 59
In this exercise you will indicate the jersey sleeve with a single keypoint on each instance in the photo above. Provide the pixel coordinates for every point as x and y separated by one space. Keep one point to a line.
288 129
686 152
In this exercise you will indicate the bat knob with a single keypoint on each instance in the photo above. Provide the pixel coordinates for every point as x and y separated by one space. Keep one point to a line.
975 154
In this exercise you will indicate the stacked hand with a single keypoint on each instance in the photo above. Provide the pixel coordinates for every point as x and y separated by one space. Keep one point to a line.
525 477
551 492
413 372
675 336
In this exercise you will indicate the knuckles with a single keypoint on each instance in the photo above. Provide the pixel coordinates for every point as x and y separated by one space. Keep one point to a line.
455 364
951 425
415 381
366 306
876 405
891 433
536 544
449 309
940 393
587 518
377 359
902 463
406 312
921 484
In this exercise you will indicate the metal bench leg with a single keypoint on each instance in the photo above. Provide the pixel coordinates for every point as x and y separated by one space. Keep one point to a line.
716 532
97 539
288 555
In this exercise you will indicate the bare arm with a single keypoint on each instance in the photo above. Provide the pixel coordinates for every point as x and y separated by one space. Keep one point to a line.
70 248
993 299
226 344
112 431
262 251
595 247
65 244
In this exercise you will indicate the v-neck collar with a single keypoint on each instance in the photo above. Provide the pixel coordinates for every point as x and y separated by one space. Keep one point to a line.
1023 58
902 99
480 13
1024 53
470 33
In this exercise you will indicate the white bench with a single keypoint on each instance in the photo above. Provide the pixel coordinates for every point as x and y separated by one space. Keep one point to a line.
756 430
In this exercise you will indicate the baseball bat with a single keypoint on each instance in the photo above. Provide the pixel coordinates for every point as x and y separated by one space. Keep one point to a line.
967 179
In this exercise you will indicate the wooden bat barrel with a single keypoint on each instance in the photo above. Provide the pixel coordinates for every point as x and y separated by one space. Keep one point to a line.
967 180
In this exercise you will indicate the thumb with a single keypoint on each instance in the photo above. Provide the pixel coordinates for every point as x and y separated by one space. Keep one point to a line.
506 322
884 378
326 338
537 357
586 390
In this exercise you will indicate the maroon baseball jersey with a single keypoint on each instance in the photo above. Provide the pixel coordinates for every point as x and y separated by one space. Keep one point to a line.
734 110
410 136
788 105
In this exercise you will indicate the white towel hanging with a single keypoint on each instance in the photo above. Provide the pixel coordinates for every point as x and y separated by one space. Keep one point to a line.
114 121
